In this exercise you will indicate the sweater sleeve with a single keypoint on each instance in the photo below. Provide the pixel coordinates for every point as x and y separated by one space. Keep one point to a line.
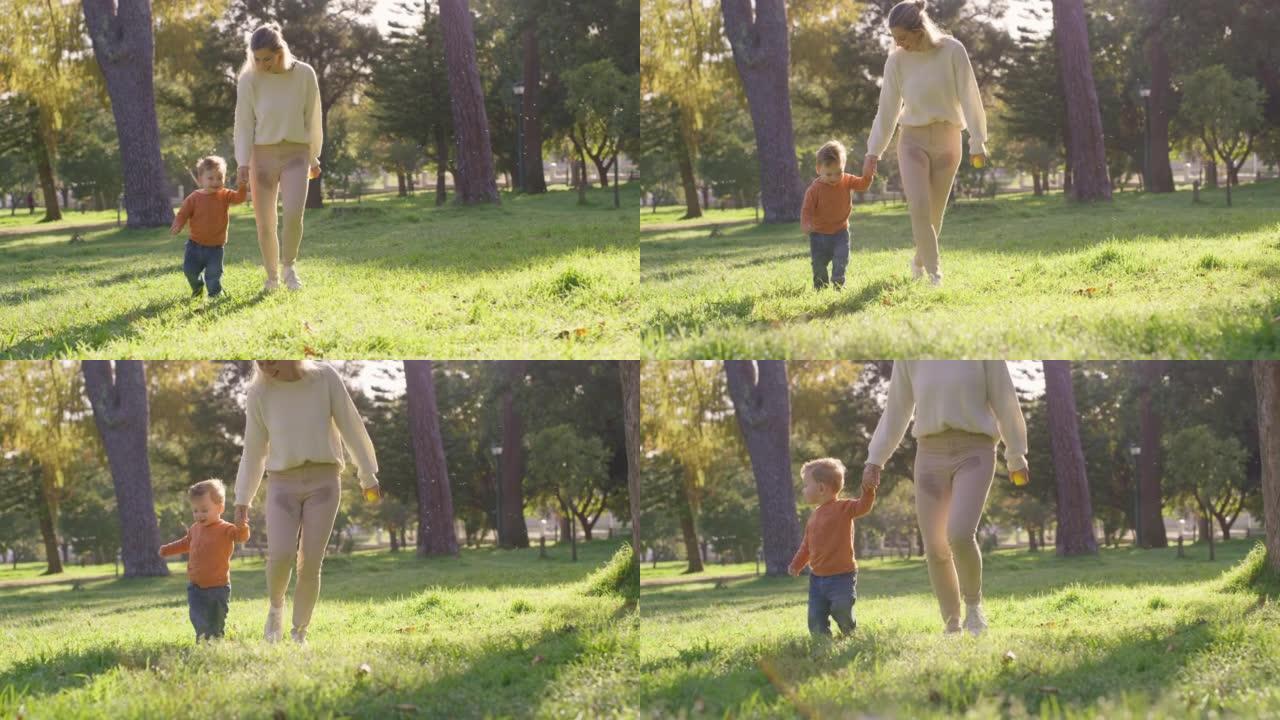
315 130
184 212
863 504
237 196
238 533
897 414
888 112
808 208
975 117
253 459
857 183
802 554
351 427
245 119
177 547
1003 400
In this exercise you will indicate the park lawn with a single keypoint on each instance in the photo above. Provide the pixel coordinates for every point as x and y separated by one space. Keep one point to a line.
1129 633
490 634
34 571
1142 276
537 277
70 219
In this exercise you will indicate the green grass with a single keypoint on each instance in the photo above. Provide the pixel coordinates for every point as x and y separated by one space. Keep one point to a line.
1142 276
1129 633
33 571
492 634
70 218
537 277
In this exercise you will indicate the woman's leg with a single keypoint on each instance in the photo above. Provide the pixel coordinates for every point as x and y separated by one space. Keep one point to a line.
293 195
319 510
284 517
266 186
970 488
933 499
915 168
944 156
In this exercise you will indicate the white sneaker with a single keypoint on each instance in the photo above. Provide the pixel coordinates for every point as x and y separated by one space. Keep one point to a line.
274 630
935 280
974 620
291 280
271 285
917 271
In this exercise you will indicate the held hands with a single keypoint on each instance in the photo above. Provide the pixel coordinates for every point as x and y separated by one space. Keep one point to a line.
242 514
869 165
870 476
242 175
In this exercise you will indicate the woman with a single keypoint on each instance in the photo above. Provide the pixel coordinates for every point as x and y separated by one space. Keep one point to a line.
297 419
929 89
961 408
278 135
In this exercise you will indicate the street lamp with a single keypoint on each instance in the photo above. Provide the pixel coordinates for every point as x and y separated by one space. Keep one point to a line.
1145 92
518 89
1135 450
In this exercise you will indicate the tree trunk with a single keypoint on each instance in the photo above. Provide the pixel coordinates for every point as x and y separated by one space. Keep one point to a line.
583 181
514 533
762 404
630 371
474 181
402 190
684 160
1085 146
44 168
1075 508
1210 171
122 415
762 55
1157 56
442 164
436 535
125 50
1266 379
1037 188
49 532
1150 429
689 531
535 180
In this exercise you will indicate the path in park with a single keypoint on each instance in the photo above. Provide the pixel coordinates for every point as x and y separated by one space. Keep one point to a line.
52 227
685 580
36 582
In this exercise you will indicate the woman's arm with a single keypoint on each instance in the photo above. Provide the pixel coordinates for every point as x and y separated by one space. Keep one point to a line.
253 459
975 117
1003 400
245 121
312 112
887 114
897 414
351 427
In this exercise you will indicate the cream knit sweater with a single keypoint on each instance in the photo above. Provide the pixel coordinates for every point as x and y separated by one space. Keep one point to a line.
278 107
307 420
925 87
975 396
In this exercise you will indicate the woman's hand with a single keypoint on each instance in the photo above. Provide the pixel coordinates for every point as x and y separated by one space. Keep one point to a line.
373 493
315 171
979 161
869 164
242 175
242 514
871 476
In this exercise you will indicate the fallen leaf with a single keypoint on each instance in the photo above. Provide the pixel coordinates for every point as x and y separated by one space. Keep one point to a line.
699 705
406 707
310 351
537 659
1049 690
562 335
1009 657
580 332
935 697
307 326
407 629
363 671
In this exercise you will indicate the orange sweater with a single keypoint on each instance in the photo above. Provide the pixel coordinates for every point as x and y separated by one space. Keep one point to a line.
208 549
208 214
828 538
826 206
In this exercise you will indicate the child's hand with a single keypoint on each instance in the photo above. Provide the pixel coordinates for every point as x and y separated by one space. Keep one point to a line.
242 514
871 476
869 165
174 229
793 572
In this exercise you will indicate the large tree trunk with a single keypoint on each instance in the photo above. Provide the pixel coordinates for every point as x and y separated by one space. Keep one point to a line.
689 531
1075 509
762 54
762 405
535 180
49 530
122 415
1266 378
684 160
1157 56
436 535
1084 142
630 371
513 533
442 163
44 166
474 181
1150 429
125 50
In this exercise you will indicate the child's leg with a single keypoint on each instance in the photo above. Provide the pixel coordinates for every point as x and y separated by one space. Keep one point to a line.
192 264
319 511
843 594
819 256
293 195
198 610
213 271
839 258
219 599
914 166
933 499
266 186
284 517
972 483
819 607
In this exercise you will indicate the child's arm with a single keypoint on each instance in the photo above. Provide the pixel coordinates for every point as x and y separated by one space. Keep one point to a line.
177 547
806 210
858 183
237 196
862 504
802 557
184 214
239 532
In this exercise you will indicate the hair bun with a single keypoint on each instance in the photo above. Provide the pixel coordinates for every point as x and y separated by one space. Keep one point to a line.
920 4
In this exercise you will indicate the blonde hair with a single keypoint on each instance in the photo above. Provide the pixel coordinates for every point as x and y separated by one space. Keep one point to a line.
211 162
911 15
832 152
305 368
266 37
212 486
825 471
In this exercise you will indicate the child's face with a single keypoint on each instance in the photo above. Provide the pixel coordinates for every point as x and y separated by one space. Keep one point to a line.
206 509
268 60
830 173
907 39
211 179
816 493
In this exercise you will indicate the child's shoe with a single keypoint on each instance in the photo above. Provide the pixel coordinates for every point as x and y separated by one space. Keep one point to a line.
291 280
197 291
974 620
274 630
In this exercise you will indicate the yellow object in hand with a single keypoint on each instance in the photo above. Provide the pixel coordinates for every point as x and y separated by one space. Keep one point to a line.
1019 477
371 494
978 161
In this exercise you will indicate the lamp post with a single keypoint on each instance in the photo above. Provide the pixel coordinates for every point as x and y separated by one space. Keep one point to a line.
497 461
518 89
1135 450
1145 92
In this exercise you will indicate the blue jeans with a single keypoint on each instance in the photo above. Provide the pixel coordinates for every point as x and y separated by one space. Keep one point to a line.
832 249
832 596
208 608
200 258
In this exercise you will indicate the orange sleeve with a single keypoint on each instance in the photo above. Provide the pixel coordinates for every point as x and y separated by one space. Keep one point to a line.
239 533
237 196
858 184
808 208
184 212
862 505
802 555
177 547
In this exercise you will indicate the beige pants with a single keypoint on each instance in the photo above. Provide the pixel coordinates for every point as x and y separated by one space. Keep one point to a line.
302 504
928 157
953 475
279 170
